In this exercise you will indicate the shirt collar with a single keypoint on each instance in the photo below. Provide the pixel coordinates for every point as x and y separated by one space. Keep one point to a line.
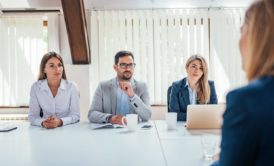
187 84
63 84
45 86
117 82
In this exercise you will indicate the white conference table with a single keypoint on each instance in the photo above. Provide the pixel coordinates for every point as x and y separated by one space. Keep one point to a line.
183 147
78 145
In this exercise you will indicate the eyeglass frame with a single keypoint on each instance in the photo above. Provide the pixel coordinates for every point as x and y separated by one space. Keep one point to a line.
127 65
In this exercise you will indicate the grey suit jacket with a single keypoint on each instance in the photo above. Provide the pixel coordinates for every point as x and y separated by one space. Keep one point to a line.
104 101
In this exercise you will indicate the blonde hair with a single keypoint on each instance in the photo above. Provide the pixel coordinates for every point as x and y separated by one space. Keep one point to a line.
44 61
203 90
259 19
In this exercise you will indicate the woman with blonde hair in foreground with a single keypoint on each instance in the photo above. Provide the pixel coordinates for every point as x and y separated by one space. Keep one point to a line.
248 128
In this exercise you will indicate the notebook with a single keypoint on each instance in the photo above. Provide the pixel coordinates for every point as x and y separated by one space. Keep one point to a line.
7 126
207 116
104 125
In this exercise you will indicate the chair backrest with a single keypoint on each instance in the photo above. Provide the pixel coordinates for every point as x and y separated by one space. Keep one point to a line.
168 96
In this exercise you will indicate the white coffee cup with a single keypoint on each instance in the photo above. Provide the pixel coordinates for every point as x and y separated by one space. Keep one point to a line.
132 121
171 120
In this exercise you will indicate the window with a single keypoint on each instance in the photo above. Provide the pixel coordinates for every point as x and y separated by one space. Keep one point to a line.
22 45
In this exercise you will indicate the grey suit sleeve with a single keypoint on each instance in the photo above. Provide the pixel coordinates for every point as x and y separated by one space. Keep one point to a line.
141 104
95 114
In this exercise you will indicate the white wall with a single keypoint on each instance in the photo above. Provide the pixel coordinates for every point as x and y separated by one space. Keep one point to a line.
64 44
80 75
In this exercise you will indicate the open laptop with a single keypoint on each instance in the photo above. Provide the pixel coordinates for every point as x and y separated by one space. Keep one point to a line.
208 116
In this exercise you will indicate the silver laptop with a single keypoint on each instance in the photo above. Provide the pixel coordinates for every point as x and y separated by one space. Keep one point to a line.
209 116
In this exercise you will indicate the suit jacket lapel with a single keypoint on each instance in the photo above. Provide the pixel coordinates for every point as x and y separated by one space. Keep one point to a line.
134 86
184 91
186 95
113 95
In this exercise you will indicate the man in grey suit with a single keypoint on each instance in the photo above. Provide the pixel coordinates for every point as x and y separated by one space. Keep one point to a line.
121 95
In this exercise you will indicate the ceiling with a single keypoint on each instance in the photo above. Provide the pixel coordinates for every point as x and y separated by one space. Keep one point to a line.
123 4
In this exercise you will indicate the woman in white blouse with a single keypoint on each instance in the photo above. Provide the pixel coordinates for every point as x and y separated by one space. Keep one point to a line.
54 101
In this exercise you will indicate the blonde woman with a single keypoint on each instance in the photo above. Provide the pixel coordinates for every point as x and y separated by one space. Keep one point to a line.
248 128
194 89
54 101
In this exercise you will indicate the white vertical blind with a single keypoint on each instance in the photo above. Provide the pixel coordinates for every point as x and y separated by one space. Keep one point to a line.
225 59
161 41
94 44
177 36
24 41
122 30
53 32
21 48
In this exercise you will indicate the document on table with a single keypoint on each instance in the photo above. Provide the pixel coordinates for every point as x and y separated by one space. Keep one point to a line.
7 126
104 125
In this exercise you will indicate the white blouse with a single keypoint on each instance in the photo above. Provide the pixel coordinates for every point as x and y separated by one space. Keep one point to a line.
65 105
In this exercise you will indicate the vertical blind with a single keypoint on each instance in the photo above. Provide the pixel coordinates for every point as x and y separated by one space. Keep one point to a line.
162 41
21 48
24 40
225 59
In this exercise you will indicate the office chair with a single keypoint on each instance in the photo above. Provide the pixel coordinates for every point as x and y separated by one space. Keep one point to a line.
168 97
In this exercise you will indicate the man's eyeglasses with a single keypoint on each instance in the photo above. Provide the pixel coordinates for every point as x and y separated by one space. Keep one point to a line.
127 65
